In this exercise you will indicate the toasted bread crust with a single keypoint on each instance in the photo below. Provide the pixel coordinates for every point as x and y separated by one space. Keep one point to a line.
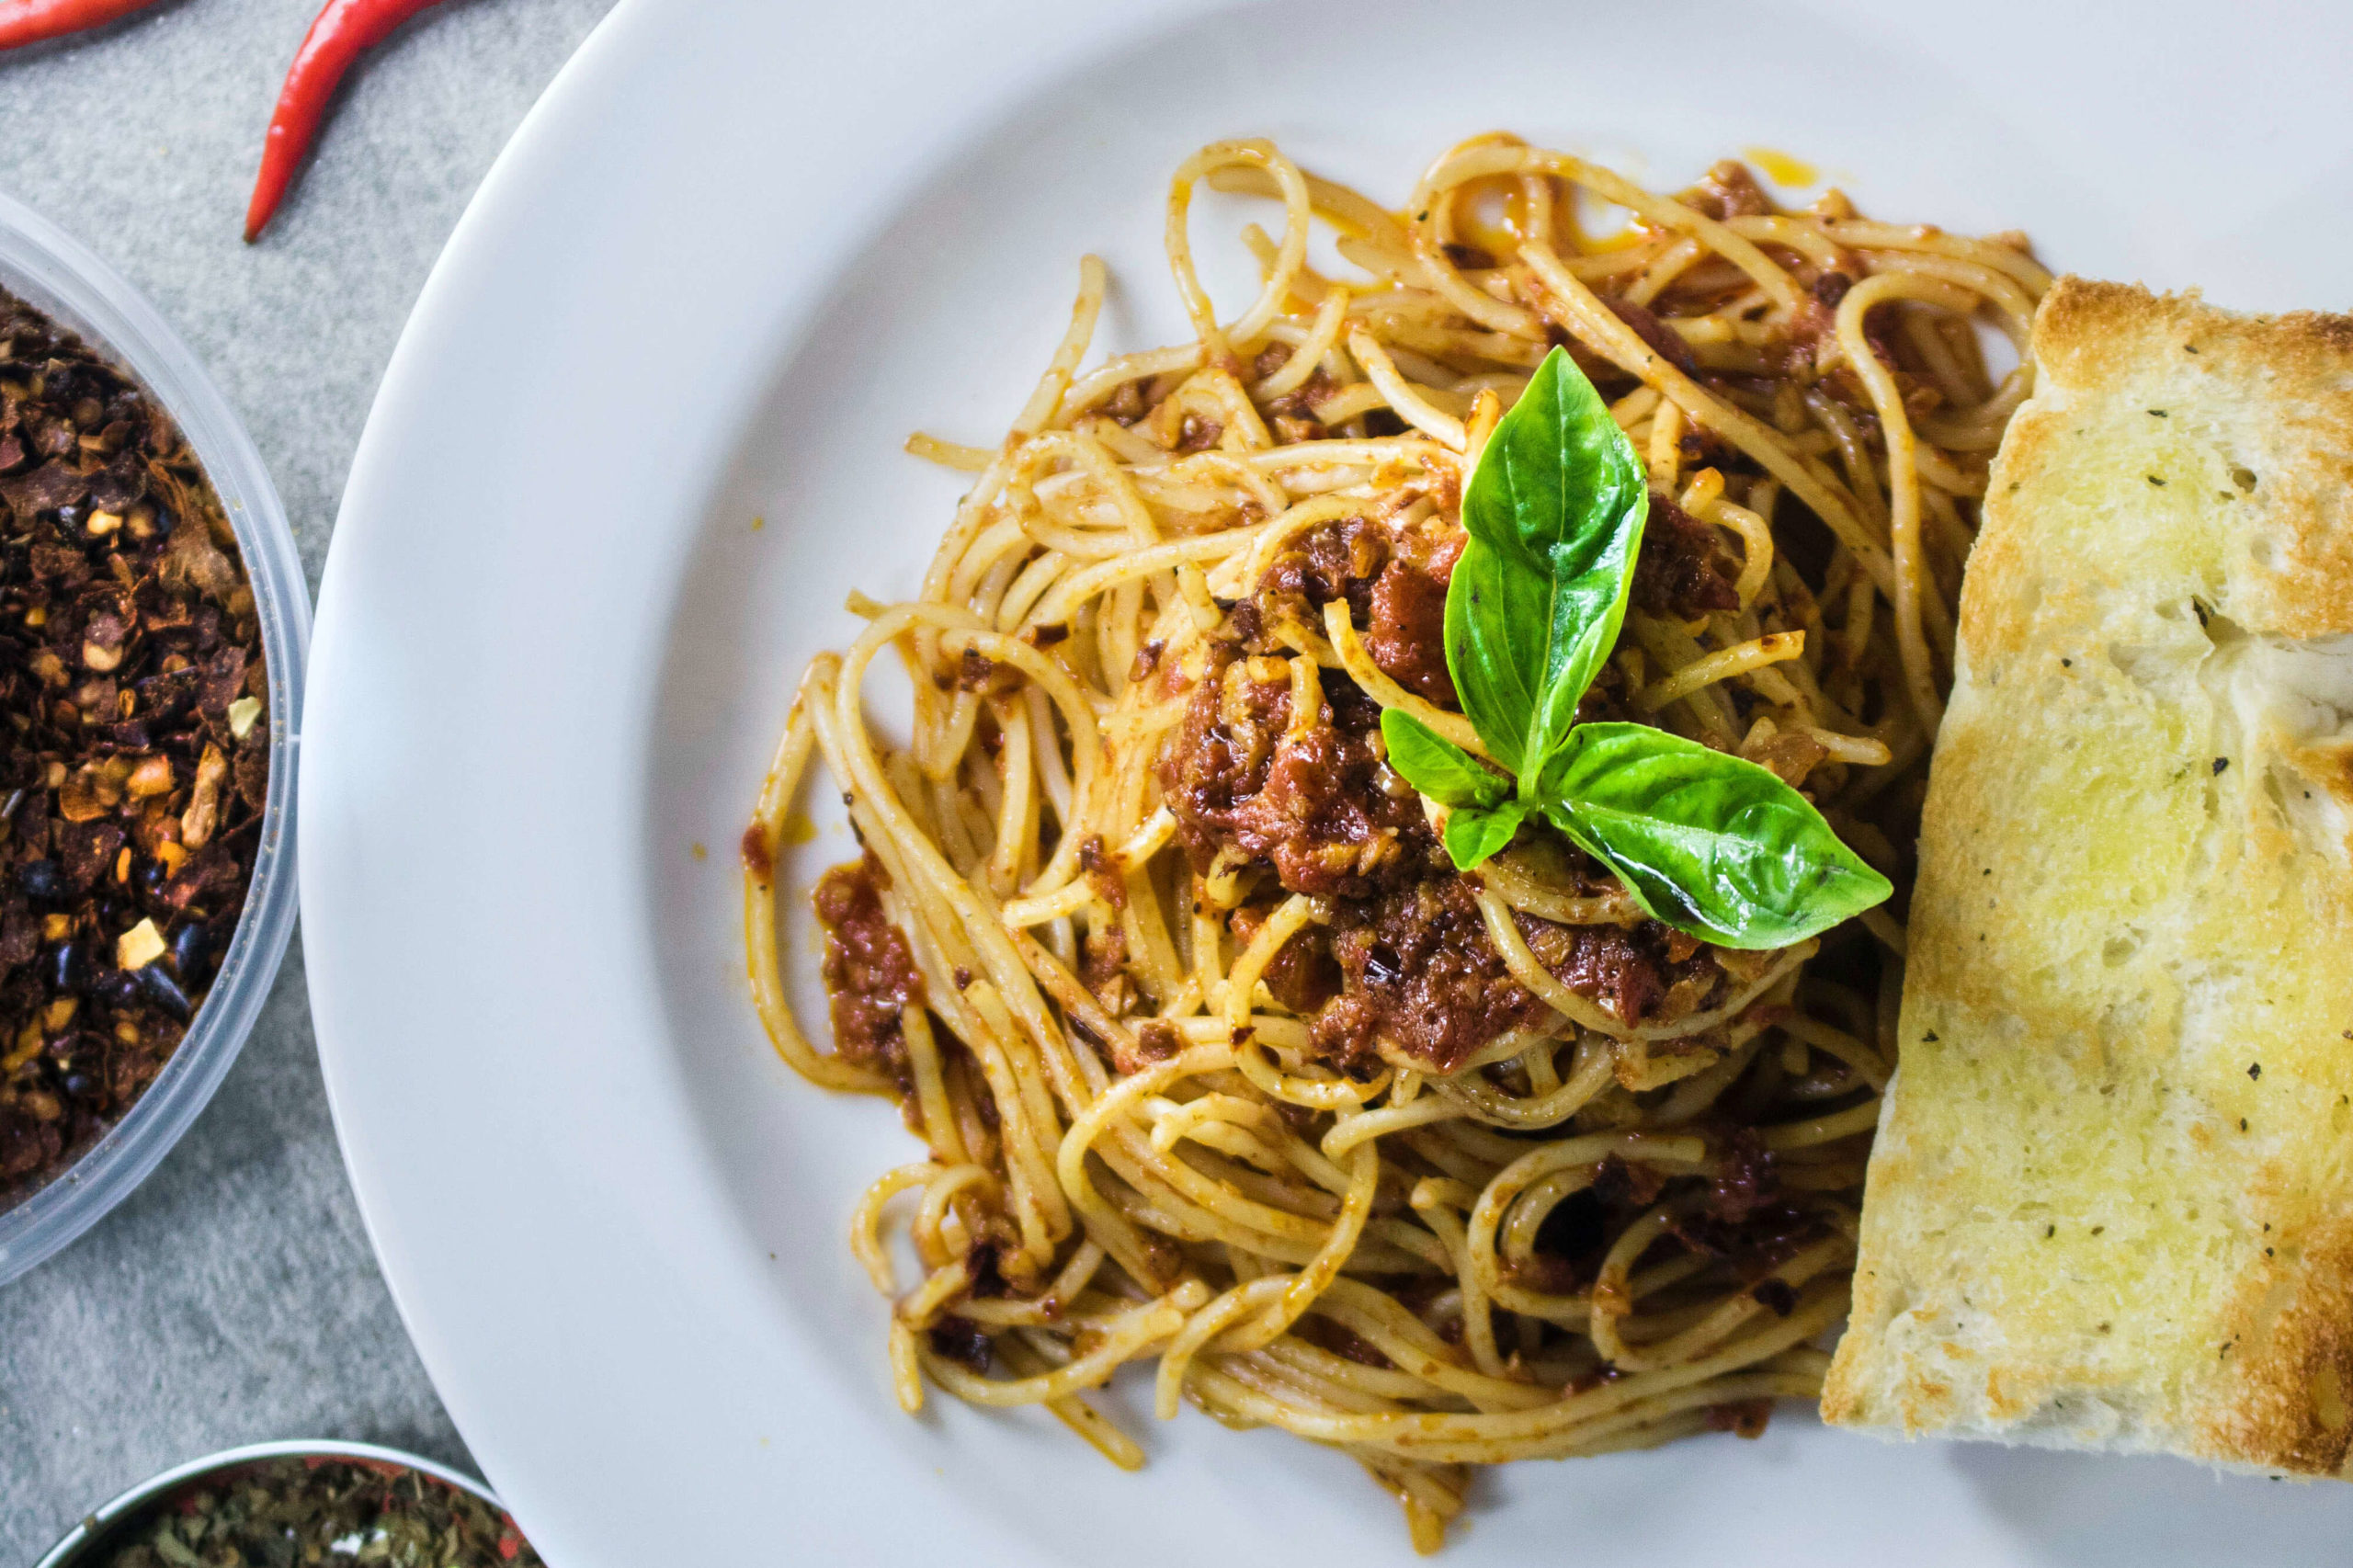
2111 1205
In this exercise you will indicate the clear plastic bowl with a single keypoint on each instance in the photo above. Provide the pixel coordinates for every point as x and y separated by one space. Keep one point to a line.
100 1531
47 268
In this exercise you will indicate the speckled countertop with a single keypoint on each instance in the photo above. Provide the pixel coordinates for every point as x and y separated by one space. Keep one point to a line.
233 1297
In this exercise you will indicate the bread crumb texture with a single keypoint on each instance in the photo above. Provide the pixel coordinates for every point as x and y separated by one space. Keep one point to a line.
2111 1203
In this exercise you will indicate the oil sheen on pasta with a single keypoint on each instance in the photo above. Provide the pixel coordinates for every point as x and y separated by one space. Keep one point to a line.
1220 1065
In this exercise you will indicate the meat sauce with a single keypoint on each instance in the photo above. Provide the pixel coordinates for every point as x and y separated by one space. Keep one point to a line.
871 974
1407 636
1394 581
1422 973
1402 955
1314 800
1742 1218
1682 571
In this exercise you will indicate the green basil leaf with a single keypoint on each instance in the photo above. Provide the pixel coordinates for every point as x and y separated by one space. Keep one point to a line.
1436 767
1714 847
1554 511
1473 833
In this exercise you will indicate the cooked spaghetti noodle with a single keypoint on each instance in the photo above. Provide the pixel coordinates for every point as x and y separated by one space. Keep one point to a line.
1220 1063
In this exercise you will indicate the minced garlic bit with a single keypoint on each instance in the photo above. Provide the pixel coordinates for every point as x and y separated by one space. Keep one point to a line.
242 714
138 946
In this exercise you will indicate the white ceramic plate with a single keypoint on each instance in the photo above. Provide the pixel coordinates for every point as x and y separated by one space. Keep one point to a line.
641 436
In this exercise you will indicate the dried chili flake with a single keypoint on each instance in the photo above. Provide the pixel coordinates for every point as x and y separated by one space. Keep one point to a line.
132 770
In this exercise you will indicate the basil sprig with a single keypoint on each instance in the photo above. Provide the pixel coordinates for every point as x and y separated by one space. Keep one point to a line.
1554 511
1711 844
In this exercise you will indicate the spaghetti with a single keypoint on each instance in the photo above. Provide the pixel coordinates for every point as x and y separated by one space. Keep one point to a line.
1220 1064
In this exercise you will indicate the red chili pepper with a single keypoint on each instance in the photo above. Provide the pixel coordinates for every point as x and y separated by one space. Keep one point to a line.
30 21
344 31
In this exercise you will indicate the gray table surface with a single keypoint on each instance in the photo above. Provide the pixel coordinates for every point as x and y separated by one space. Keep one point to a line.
233 1297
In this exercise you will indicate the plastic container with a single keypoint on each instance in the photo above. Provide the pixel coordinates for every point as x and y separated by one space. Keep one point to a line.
98 1532
47 268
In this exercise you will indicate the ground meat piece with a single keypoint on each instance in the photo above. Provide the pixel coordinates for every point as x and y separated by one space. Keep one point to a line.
1621 1184
1683 571
1662 339
869 970
1126 405
1743 1418
1789 755
1618 968
1157 1041
1701 447
961 1340
1313 801
1332 560
754 849
984 1267
1300 403
1728 190
1749 1181
1103 963
1421 973
1408 634
1811 328
1302 976
1743 1212
1198 435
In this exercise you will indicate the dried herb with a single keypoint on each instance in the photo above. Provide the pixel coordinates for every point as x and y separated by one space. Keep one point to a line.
286 1512
133 756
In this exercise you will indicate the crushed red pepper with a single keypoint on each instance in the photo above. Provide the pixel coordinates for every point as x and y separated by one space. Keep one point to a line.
134 761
